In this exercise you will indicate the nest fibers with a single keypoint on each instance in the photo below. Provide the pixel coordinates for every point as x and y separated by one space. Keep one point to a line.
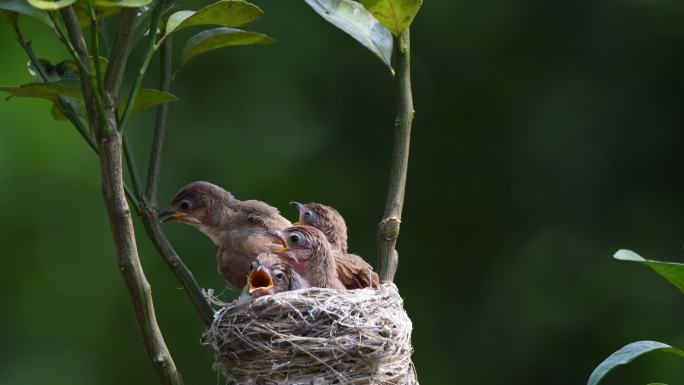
314 337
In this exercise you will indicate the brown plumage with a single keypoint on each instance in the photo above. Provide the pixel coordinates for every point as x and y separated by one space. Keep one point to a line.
308 251
236 227
353 271
269 274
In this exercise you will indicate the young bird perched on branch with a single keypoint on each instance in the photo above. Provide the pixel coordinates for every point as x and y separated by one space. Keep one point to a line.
353 271
269 274
236 227
310 254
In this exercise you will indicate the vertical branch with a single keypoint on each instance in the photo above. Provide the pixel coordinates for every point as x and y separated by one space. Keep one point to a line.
149 213
110 143
388 228
149 52
165 59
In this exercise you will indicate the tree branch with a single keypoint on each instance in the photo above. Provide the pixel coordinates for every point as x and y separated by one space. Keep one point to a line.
111 169
120 52
388 228
149 52
149 214
165 61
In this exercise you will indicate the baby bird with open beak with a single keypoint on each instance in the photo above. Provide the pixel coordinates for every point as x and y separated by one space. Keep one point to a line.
269 274
310 254
236 227
353 271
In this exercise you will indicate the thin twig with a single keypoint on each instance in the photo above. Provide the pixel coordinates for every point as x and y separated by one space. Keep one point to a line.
149 214
120 52
77 47
104 35
95 32
64 106
388 228
111 169
159 124
149 52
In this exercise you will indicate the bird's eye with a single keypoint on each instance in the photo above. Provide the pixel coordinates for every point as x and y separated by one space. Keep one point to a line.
294 238
307 214
279 276
185 205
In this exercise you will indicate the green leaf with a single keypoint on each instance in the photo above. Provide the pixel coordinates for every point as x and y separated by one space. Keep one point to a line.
48 91
216 38
673 272
627 354
121 3
47 5
226 13
356 21
22 7
148 98
396 15
77 105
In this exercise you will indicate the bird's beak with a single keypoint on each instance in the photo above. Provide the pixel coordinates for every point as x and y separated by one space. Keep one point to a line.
170 214
299 208
277 235
259 280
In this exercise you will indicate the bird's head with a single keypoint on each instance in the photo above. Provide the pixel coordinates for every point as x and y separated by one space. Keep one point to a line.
268 274
195 203
299 243
326 219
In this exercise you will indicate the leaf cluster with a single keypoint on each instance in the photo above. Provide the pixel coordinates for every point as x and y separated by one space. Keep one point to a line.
672 272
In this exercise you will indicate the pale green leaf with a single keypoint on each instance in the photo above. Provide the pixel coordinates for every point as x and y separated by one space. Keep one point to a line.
226 13
47 5
627 354
22 7
76 105
212 39
396 15
121 3
352 18
148 98
673 272
48 91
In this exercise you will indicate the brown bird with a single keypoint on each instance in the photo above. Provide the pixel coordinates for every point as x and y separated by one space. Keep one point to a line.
310 254
269 274
236 227
353 271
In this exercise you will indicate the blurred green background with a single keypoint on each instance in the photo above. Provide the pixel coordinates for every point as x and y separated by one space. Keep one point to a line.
548 135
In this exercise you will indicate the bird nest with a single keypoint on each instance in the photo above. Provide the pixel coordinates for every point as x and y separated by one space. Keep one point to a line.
315 336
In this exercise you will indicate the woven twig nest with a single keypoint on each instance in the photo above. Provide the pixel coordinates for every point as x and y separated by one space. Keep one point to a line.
315 336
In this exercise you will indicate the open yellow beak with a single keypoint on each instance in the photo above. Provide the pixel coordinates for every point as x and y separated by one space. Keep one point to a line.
259 280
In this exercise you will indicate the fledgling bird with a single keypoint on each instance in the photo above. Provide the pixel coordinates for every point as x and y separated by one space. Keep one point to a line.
236 227
309 253
353 271
269 274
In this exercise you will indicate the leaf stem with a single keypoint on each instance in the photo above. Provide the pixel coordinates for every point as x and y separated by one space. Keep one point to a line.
388 228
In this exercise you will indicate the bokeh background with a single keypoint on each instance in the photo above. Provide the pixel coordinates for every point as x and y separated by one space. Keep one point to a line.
548 135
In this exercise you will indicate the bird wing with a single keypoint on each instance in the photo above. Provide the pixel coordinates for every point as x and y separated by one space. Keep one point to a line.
354 272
